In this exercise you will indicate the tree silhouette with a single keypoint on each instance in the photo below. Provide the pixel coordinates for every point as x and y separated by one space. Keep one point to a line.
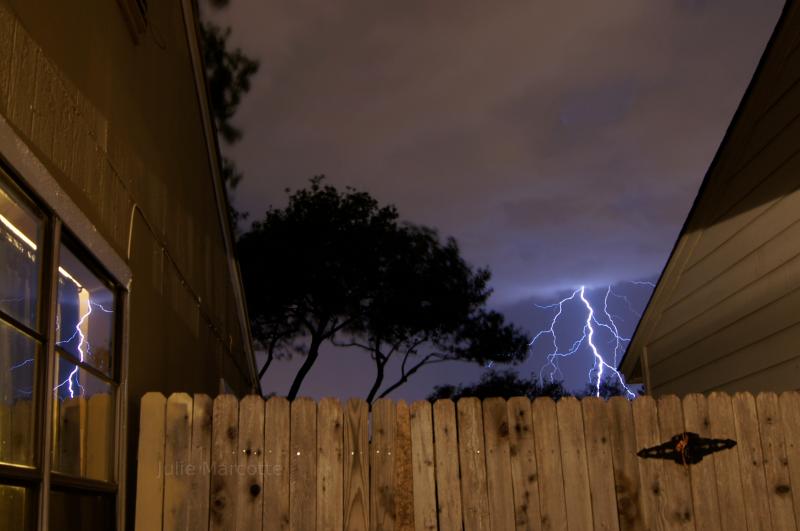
337 267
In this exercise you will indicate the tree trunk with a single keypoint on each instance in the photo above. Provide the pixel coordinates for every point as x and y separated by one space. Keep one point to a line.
313 354
378 381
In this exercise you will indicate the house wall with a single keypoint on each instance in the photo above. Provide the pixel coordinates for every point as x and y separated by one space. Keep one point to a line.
726 314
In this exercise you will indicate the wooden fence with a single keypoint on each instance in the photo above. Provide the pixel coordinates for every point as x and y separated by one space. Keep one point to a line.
497 464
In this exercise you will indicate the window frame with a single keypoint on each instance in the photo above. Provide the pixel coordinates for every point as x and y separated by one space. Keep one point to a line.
39 476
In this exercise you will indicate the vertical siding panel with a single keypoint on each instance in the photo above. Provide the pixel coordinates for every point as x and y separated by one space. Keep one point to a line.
499 486
726 464
601 467
276 465
329 465
776 462
356 466
225 434
250 457
423 470
751 462
704 486
303 465
548 456
150 480
448 482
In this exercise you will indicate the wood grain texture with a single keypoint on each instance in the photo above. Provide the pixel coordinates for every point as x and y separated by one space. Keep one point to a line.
423 469
548 456
574 464
404 483
726 464
200 460
250 463
225 435
499 483
276 465
776 462
329 465
704 483
524 471
177 455
356 466
150 479
448 482
596 424
100 437
383 513
790 416
626 466
751 461
303 465
677 510
472 461
645 418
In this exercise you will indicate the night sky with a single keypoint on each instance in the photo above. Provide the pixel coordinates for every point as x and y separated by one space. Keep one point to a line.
561 143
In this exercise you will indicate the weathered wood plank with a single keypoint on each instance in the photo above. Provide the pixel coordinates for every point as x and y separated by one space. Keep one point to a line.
383 512
626 466
303 465
704 484
100 437
150 480
225 435
548 456
499 484
574 464
645 420
676 499
356 466
600 463
250 463
790 416
726 464
448 482
200 459
776 462
276 465
751 462
329 465
177 452
423 470
472 460
404 484
524 472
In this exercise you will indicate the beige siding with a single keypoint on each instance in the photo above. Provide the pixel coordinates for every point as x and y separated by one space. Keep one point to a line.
726 314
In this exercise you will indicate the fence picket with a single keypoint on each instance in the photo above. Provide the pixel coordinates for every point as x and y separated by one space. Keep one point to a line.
704 486
150 479
776 462
448 482
573 464
329 465
303 465
423 470
356 466
99 443
645 423
790 416
404 484
225 434
601 468
276 465
177 452
732 514
472 460
676 487
751 462
626 467
200 460
548 456
381 466
250 463
498 464
524 472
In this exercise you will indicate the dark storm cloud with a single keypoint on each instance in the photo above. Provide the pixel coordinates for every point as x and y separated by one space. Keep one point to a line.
560 142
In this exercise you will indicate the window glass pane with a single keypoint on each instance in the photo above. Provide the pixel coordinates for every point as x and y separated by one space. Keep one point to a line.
18 355
79 511
84 423
20 247
16 508
85 319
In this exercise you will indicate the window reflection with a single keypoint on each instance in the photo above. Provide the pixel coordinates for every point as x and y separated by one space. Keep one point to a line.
18 356
79 511
15 508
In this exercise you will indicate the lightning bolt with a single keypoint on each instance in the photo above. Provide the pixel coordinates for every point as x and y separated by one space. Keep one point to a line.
595 320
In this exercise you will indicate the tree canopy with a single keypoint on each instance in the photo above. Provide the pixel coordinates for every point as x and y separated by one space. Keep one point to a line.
335 266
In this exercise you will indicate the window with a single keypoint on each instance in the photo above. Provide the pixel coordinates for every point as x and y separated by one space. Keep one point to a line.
59 372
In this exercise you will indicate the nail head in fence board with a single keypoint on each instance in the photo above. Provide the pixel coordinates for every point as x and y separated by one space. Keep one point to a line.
404 483
201 462
626 466
356 466
776 462
382 486
177 450
448 482
751 461
601 467
732 513
150 462
276 460
225 436
574 464
645 420
790 416
329 465
250 458
704 484
303 465
422 459
499 485
524 472
472 459
677 508
548 455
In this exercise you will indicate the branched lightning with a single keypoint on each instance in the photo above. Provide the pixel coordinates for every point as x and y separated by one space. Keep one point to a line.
601 364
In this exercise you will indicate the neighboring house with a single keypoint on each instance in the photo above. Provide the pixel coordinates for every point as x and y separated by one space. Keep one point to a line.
117 272
726 313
